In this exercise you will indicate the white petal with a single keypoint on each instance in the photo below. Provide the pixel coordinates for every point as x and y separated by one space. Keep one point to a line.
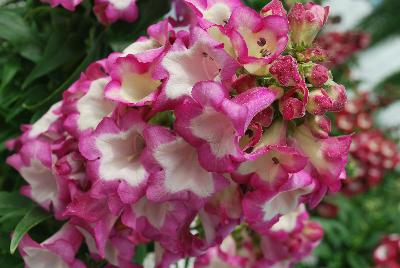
120 157
182 169
45 121
43 258
154 212
217 129
42 181
93 107
188 67
218 14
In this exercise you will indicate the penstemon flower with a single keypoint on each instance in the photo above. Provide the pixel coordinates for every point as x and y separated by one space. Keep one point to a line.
190 134
372 152
387 252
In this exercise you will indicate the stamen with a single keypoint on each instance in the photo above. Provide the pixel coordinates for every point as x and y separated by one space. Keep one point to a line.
275 160
261 42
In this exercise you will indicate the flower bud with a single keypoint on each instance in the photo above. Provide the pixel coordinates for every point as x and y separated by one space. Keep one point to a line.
291 108
337 94
306 21
285 71
319 125
313 231
317 75
274 7
319 102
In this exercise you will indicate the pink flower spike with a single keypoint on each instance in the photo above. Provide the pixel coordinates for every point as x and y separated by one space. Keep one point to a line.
257 40
306 21
213 12
109 11
57 251
176 172
131 82
274 7
328 156
114 154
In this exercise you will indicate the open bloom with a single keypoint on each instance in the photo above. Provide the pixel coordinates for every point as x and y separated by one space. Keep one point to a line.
214 12
257 40
114 154
57 251
67 4
109 11
132 83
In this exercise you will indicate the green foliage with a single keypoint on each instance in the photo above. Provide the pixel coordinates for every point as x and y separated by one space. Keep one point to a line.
30 220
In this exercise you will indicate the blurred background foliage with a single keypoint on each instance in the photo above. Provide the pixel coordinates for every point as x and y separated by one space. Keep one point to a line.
43 50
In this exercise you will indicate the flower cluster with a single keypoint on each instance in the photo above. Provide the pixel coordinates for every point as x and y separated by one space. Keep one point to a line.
387 254
185 135
340 46
288 241
106 11
372 153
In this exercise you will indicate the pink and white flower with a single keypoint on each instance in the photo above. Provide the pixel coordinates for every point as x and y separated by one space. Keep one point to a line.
272 162
35 163
132 82
114 153
213 64
262 207
67 4
109 11
85 105
176 173
57 251
327 156
213 12
257 40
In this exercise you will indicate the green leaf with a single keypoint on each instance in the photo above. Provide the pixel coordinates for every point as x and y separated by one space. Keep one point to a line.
12 201
15 30
90 57
140 254
59 51
30 220
10 69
